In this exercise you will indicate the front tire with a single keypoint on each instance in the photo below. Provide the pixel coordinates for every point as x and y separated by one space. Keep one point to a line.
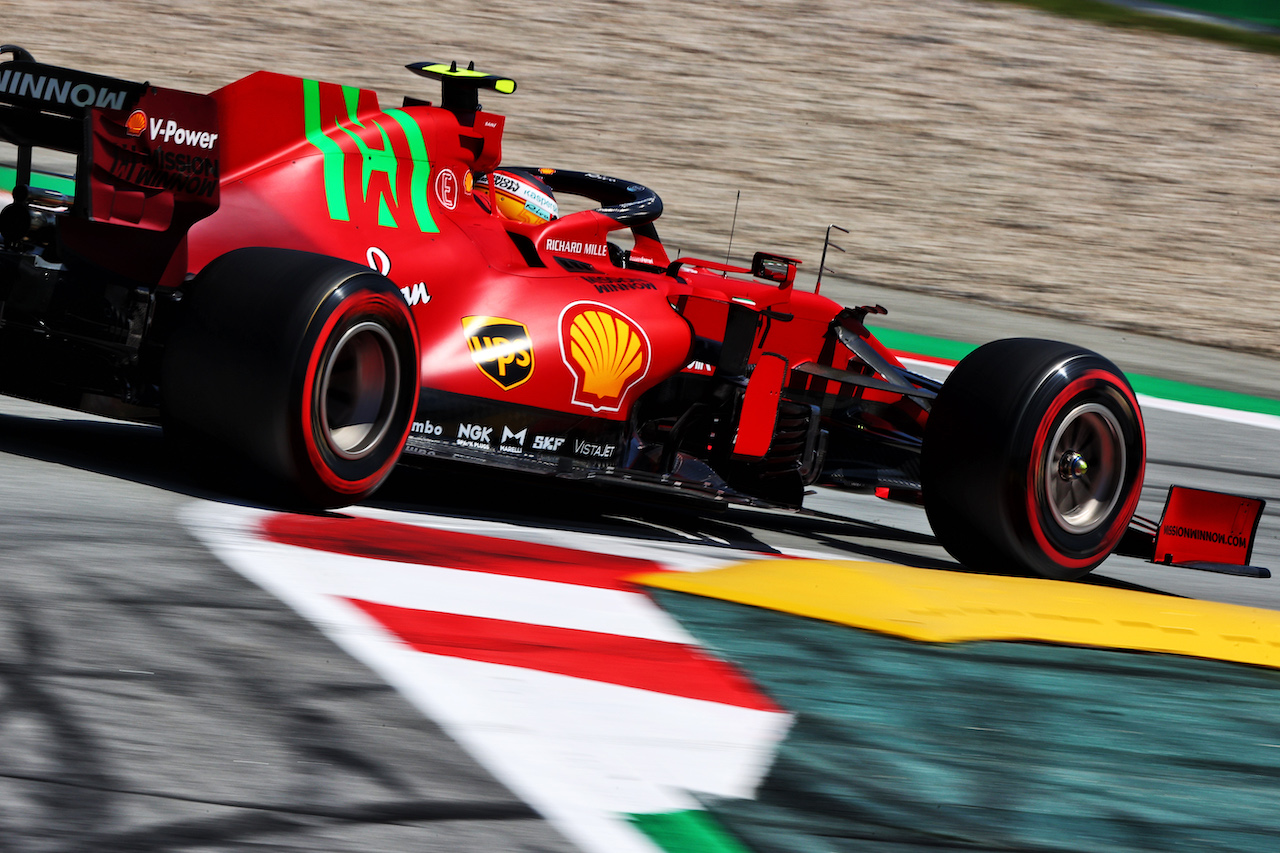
1033 459
302 364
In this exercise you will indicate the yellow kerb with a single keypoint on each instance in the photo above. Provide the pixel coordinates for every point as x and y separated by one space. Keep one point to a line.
947 607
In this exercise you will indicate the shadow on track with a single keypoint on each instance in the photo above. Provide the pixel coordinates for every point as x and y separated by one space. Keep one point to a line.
139 453
152 699
126 451
600 507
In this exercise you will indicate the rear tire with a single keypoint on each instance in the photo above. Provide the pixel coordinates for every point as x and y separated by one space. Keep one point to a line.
303 364
1033 459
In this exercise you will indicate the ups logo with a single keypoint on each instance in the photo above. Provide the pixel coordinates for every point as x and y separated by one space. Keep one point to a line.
500 348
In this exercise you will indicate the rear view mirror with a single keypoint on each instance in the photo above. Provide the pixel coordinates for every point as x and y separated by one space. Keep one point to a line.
774 267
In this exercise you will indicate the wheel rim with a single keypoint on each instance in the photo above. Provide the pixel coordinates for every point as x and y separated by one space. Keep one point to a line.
358 390
1083 471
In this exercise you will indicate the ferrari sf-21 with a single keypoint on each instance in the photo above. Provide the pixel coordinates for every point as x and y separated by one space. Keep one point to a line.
326 287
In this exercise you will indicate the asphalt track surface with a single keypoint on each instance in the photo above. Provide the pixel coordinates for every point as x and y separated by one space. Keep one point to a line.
153 699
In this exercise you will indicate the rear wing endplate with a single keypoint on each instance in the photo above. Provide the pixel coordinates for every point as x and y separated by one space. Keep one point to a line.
44 106
147 158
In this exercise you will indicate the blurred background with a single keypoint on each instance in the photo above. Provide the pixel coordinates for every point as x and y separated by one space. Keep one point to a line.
1116 176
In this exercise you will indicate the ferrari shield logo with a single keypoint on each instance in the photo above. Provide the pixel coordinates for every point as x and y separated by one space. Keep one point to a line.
501 348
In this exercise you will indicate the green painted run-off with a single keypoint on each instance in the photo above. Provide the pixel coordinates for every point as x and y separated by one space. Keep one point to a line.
57 183
1266 12
687 832
1151 386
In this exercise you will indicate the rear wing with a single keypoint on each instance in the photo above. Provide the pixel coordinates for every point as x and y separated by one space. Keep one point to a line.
146 157
44 105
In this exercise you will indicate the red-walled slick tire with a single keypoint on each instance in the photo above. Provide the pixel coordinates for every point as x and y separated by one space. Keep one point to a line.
1033 459
302 364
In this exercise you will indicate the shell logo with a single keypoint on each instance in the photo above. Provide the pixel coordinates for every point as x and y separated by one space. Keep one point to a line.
607 352
136 123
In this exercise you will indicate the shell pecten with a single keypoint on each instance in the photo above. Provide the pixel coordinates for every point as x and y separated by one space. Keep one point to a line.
608 350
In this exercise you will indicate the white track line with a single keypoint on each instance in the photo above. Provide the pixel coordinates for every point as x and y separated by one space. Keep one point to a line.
1235 416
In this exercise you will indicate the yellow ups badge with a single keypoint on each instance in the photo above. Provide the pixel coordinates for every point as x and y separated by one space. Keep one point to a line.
500 348
606 351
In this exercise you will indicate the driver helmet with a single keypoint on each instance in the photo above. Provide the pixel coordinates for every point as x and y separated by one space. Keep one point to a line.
520 196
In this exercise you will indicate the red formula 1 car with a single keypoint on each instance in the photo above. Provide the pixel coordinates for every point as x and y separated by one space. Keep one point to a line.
328 287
